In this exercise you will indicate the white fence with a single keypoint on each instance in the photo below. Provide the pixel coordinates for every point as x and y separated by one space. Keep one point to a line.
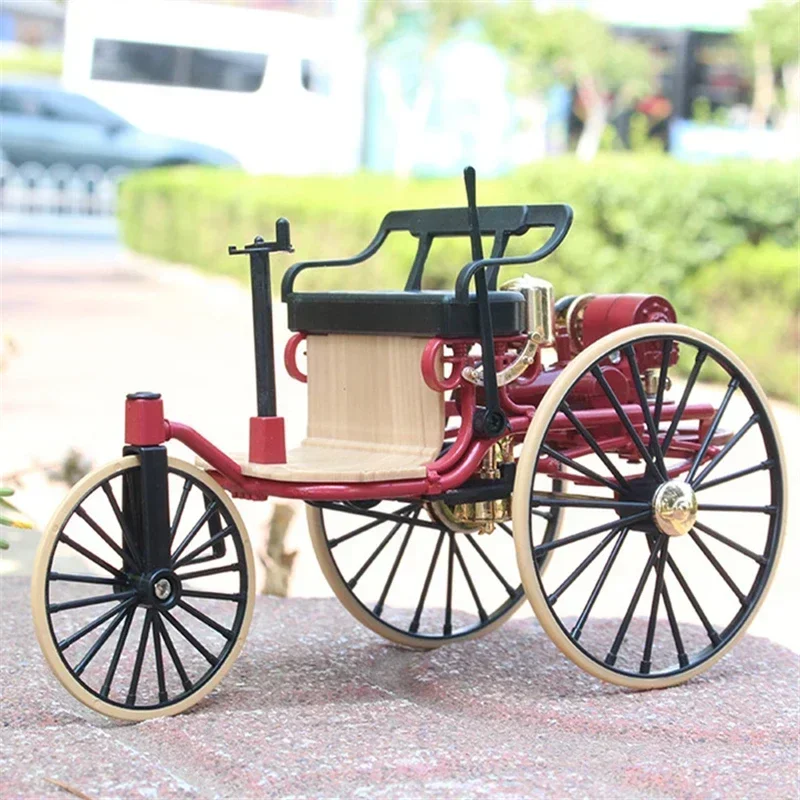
61 191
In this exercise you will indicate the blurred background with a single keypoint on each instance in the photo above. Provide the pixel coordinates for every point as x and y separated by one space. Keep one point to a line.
139 138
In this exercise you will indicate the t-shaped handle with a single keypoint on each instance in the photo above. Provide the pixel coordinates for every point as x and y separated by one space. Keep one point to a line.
282 242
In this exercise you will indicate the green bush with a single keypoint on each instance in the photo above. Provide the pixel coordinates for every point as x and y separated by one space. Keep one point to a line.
720 241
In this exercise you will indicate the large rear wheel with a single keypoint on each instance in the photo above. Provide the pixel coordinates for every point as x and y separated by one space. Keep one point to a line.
674 509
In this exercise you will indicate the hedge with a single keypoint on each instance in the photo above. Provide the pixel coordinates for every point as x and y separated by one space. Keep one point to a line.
720 241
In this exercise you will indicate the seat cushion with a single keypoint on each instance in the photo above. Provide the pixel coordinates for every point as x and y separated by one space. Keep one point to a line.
427 313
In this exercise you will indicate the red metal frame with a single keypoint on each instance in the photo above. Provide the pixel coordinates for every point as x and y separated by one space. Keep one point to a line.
145 425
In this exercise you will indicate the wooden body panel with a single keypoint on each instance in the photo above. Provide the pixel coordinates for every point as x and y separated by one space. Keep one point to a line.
370 415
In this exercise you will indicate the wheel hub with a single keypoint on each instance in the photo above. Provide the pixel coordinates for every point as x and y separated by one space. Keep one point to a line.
674 508
162 589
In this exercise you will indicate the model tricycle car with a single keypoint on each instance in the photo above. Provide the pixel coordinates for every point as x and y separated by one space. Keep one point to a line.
465 449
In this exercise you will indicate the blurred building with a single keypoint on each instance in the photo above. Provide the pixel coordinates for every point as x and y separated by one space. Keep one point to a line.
36 24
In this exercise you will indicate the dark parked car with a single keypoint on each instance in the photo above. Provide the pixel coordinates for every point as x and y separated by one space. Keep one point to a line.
48 125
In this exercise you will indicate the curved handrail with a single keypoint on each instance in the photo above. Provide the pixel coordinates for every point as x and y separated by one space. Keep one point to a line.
559 217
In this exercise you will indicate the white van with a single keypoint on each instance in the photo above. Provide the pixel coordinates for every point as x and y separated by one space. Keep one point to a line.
283 93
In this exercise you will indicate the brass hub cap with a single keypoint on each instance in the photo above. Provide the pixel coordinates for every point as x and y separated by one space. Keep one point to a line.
675 508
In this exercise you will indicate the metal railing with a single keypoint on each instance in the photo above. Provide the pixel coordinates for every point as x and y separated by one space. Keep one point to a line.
85 192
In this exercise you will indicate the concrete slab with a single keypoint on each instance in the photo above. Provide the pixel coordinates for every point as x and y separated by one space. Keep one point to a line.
317 706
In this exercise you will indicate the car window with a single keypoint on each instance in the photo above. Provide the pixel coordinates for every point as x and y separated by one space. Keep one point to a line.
167 65
18 102
314 77
68 107
57 105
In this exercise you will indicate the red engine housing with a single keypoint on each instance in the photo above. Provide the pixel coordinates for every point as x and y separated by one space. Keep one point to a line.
610 312
600 316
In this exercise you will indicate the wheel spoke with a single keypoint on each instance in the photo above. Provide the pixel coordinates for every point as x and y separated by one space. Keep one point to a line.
768 464
112 667
592 442
579 570
738 509
163 697
213 624
212 659
506 529
54 608
652 430
187 487
658 588
576 537
206 515
725 540
577 629
733 385
375 553
718 567
414 626
569 501
447 628
235 597
217 537
506 585
137 666
126 559
400 516
623 418
357 532
173 653
127 536
92 557
611 658
79 634
473 591
188 576
677 416
698 609
725 450
73 578
589 473
378 610
666 352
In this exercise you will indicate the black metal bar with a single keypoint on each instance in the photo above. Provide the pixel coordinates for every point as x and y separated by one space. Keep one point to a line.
492 420
262 332
155 507
260 285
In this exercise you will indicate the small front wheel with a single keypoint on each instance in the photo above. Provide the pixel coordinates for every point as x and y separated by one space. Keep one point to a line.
128 641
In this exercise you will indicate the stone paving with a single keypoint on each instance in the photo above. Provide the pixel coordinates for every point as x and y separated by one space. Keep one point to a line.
317 706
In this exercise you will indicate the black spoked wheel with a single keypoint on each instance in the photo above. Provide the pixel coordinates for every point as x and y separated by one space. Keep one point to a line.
673 511
128 640
411 573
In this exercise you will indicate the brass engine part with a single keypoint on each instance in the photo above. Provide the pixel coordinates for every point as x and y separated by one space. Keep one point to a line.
539 325
483 516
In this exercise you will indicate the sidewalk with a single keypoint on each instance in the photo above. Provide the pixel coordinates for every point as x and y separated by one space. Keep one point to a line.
317 706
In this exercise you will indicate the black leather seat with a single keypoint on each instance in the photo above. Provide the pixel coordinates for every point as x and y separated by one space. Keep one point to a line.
414 313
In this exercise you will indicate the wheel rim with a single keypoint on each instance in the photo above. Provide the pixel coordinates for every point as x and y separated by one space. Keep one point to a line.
145 643
714 573
461 583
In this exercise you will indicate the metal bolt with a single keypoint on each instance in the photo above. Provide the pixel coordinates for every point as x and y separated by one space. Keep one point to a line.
162 589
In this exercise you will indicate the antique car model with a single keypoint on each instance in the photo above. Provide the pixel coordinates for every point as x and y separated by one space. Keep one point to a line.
464 449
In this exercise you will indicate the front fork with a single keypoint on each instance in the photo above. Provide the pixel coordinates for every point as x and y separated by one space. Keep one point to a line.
145 492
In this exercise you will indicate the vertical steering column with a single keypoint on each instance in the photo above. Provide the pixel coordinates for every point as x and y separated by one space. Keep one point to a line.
267 435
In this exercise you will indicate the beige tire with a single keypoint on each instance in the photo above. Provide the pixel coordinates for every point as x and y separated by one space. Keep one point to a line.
388 631
39 593
524 484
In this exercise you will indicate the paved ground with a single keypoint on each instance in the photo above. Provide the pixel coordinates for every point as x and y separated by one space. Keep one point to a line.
316 706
